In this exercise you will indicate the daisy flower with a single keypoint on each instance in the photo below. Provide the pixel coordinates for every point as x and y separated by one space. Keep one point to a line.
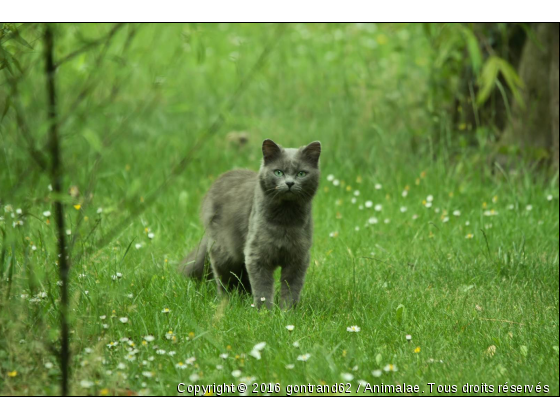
457 213
408 337
138 246
529 207
378 207
403 209
347 377
296 344
224 356
369 204
404 193
330 178
390 368
290 327
47 213
336 182
151 235
378 186
304 357
180 365
373 220
190 360
353 328
194 377
290 366
84 383
357 193
165 310
236 373
123 319
377 373
469 236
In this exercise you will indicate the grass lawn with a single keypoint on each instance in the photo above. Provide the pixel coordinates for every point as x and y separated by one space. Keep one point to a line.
412 236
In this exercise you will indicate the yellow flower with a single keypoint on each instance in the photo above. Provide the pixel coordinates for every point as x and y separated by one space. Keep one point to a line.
348 188
208 393
191 335
451 194
228 347
469 236
344 353
417 349
423 174
326 189
484 205
495 199
359 179
407 188
104 392
12 374
77 206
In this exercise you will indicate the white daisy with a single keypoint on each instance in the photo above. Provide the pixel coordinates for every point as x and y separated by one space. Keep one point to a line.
353 328
390 368
304 357
377 373
347 377
378 207
123 319
290 327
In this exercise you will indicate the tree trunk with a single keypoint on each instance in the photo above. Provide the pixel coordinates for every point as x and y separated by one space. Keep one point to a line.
534 129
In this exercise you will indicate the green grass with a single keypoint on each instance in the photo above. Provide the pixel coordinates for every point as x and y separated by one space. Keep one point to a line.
366 101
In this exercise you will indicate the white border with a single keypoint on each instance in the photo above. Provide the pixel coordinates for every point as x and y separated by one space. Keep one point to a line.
280 11
432 408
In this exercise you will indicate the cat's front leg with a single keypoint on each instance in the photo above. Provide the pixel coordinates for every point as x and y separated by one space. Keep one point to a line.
291 281
261 278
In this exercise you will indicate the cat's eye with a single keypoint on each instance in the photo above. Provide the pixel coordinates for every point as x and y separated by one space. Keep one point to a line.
301 174
278 173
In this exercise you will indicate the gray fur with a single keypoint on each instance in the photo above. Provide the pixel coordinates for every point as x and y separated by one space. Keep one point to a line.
257 222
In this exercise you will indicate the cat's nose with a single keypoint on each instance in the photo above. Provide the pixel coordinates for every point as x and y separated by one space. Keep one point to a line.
289 184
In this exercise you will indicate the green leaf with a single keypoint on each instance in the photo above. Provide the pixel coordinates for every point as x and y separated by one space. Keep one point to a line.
93 139
473 48
400 313
524 350
7 106
488 79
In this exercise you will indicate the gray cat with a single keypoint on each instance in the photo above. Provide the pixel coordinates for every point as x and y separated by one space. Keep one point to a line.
257 222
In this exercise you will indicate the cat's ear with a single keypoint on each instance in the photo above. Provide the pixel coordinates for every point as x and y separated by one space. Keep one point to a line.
270 150
311 153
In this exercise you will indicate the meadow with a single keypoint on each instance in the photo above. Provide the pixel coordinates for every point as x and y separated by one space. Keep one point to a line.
429 265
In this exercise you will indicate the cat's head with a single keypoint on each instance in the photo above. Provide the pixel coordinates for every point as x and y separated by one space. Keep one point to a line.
290 174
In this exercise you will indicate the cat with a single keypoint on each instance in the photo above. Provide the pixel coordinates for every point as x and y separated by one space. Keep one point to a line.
256 222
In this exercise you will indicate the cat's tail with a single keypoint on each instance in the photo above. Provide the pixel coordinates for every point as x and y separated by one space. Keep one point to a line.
194 263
